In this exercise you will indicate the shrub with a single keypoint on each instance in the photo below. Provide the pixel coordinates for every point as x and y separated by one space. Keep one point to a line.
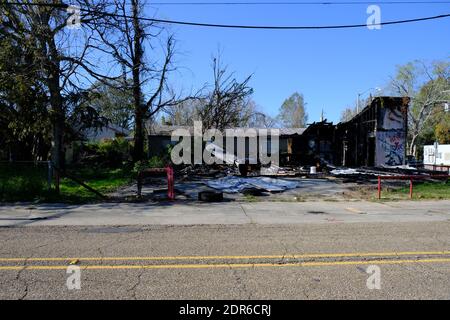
109 153
154 162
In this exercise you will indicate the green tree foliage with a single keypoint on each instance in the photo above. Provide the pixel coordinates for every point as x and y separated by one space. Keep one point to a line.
41 95
24 117
442 130
426 84
113 102
292 113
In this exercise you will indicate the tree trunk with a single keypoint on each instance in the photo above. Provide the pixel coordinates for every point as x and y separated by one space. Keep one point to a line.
412 146
57 153
138 152
139 112
57 109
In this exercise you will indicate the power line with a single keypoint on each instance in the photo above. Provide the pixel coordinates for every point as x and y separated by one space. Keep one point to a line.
294 3
198 24
214 25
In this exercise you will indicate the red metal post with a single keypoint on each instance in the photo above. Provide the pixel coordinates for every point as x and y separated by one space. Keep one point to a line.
410 188
379 187
170 183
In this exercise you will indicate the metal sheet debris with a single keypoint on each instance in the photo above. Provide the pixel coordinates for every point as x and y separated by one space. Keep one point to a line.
268 171
343 171
232 184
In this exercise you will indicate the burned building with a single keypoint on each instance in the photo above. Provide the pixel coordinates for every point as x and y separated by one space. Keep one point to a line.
247 144
376 136
290 145
314 145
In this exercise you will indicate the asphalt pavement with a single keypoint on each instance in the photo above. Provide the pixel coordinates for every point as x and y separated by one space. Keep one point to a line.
327 260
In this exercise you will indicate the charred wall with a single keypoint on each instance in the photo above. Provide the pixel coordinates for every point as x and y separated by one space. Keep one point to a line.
374 137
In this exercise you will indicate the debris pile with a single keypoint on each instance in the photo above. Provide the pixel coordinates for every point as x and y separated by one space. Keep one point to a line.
232 184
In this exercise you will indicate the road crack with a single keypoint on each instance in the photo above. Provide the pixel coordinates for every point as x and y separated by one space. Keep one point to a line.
241 286
245 213
138 282
25 283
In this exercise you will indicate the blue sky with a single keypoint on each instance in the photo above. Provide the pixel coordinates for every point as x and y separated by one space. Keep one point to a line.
329 67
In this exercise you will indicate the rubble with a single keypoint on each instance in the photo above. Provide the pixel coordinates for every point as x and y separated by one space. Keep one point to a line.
338 172
210 196
274 170
233 184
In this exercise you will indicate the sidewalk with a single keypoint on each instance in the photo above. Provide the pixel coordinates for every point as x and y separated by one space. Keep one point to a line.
222 213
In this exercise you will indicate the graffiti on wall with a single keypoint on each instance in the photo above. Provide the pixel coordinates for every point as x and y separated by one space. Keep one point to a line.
390 148
391 119
391 136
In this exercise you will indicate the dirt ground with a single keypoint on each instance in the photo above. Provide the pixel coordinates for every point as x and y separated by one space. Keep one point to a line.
326 188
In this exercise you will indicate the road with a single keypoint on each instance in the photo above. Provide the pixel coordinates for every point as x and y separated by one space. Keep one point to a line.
244 261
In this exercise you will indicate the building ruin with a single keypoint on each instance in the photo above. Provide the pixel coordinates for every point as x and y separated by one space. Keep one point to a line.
374 137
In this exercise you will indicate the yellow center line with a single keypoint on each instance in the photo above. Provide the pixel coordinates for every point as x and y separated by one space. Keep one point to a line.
231 257
232 265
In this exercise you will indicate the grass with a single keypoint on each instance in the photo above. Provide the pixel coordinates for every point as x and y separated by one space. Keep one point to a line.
29 183
250 198
25 181
102 180
421 191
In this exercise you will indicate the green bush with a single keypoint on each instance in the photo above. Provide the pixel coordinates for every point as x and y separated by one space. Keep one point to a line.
109 153
153 162
156 162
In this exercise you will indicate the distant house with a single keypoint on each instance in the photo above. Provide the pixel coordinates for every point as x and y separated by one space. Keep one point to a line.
108 132
437 157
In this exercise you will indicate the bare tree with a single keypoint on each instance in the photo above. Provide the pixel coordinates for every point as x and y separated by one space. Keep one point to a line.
426 85
227 104
347 114
258 118
185 112
127 38
350 111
